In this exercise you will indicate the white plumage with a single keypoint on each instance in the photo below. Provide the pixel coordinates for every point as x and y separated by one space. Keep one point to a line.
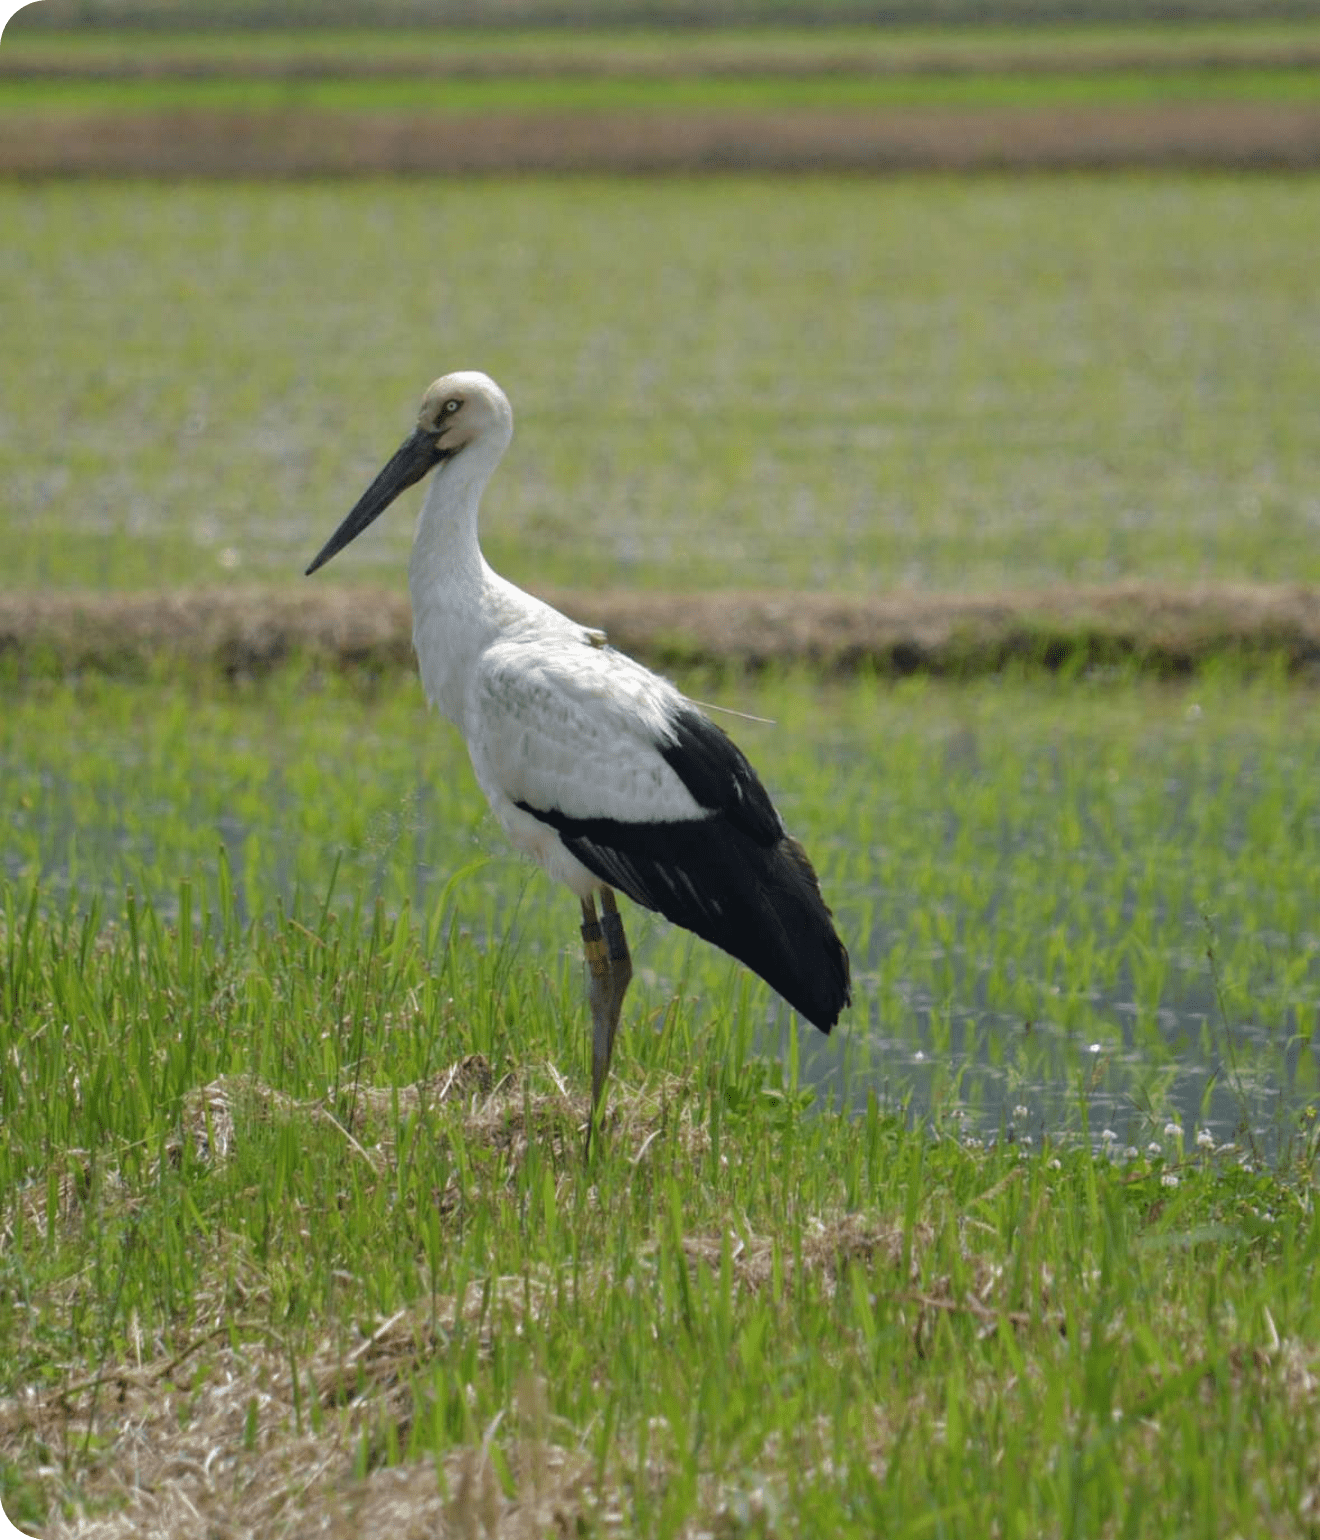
595 767
555 722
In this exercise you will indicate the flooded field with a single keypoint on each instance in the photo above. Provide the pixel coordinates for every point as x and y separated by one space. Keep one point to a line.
1072 909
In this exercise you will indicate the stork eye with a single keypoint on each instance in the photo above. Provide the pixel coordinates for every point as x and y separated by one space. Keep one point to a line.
452 405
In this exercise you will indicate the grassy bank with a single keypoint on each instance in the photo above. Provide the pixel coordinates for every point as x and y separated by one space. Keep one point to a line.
629 15
42 96
1141 630
458 52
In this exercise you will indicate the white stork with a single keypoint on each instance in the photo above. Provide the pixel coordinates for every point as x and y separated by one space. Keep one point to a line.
596 767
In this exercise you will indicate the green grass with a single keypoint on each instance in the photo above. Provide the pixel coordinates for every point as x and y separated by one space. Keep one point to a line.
640 47
230 1223
747 93
808 383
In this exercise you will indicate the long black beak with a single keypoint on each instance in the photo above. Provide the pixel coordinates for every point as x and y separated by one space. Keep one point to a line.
410 462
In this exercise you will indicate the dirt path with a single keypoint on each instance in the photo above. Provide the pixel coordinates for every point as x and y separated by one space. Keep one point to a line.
1158 630
1232 135
685 55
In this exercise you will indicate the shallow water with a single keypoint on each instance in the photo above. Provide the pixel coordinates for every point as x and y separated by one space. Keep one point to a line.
987 1075
1031 879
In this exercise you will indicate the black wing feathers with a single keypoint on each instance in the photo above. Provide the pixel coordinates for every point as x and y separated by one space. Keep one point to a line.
715 770
735 878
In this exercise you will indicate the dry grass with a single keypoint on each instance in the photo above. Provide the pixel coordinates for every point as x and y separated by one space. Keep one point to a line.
226 1450
224 1446
242 633
1224 135
232 1435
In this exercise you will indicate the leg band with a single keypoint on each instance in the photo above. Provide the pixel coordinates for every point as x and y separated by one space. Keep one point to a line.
593 944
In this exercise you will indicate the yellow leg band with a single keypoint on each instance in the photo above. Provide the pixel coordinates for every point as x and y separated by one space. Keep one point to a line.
593 944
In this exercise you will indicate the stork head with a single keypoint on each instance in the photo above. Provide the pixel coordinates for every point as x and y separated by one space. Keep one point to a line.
463 417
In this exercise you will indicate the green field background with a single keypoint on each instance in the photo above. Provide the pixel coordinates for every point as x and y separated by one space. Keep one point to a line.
747 92
828 383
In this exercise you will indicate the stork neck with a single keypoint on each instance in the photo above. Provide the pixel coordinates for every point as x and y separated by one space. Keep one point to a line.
447 578
446 547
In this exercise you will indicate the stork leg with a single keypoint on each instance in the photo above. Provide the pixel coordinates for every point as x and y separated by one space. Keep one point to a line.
609 966
621 971
598 992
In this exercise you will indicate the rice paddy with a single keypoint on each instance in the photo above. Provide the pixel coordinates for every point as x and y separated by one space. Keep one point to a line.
742 93
1029 879
31 46
296 1233
636 100
935 384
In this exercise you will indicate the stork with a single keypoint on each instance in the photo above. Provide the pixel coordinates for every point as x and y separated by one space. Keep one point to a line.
596 767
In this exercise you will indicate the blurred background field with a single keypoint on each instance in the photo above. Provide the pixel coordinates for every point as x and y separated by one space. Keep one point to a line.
632 88
635 14
913 384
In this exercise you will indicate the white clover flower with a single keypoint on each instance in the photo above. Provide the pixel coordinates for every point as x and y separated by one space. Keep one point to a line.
1021 1113
1173 1131
1108 1136
1205 1140
1168 1180
1154 1149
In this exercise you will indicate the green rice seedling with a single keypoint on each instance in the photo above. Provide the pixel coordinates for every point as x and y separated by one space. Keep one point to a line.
646 50
28 101
292 1109
1025 874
